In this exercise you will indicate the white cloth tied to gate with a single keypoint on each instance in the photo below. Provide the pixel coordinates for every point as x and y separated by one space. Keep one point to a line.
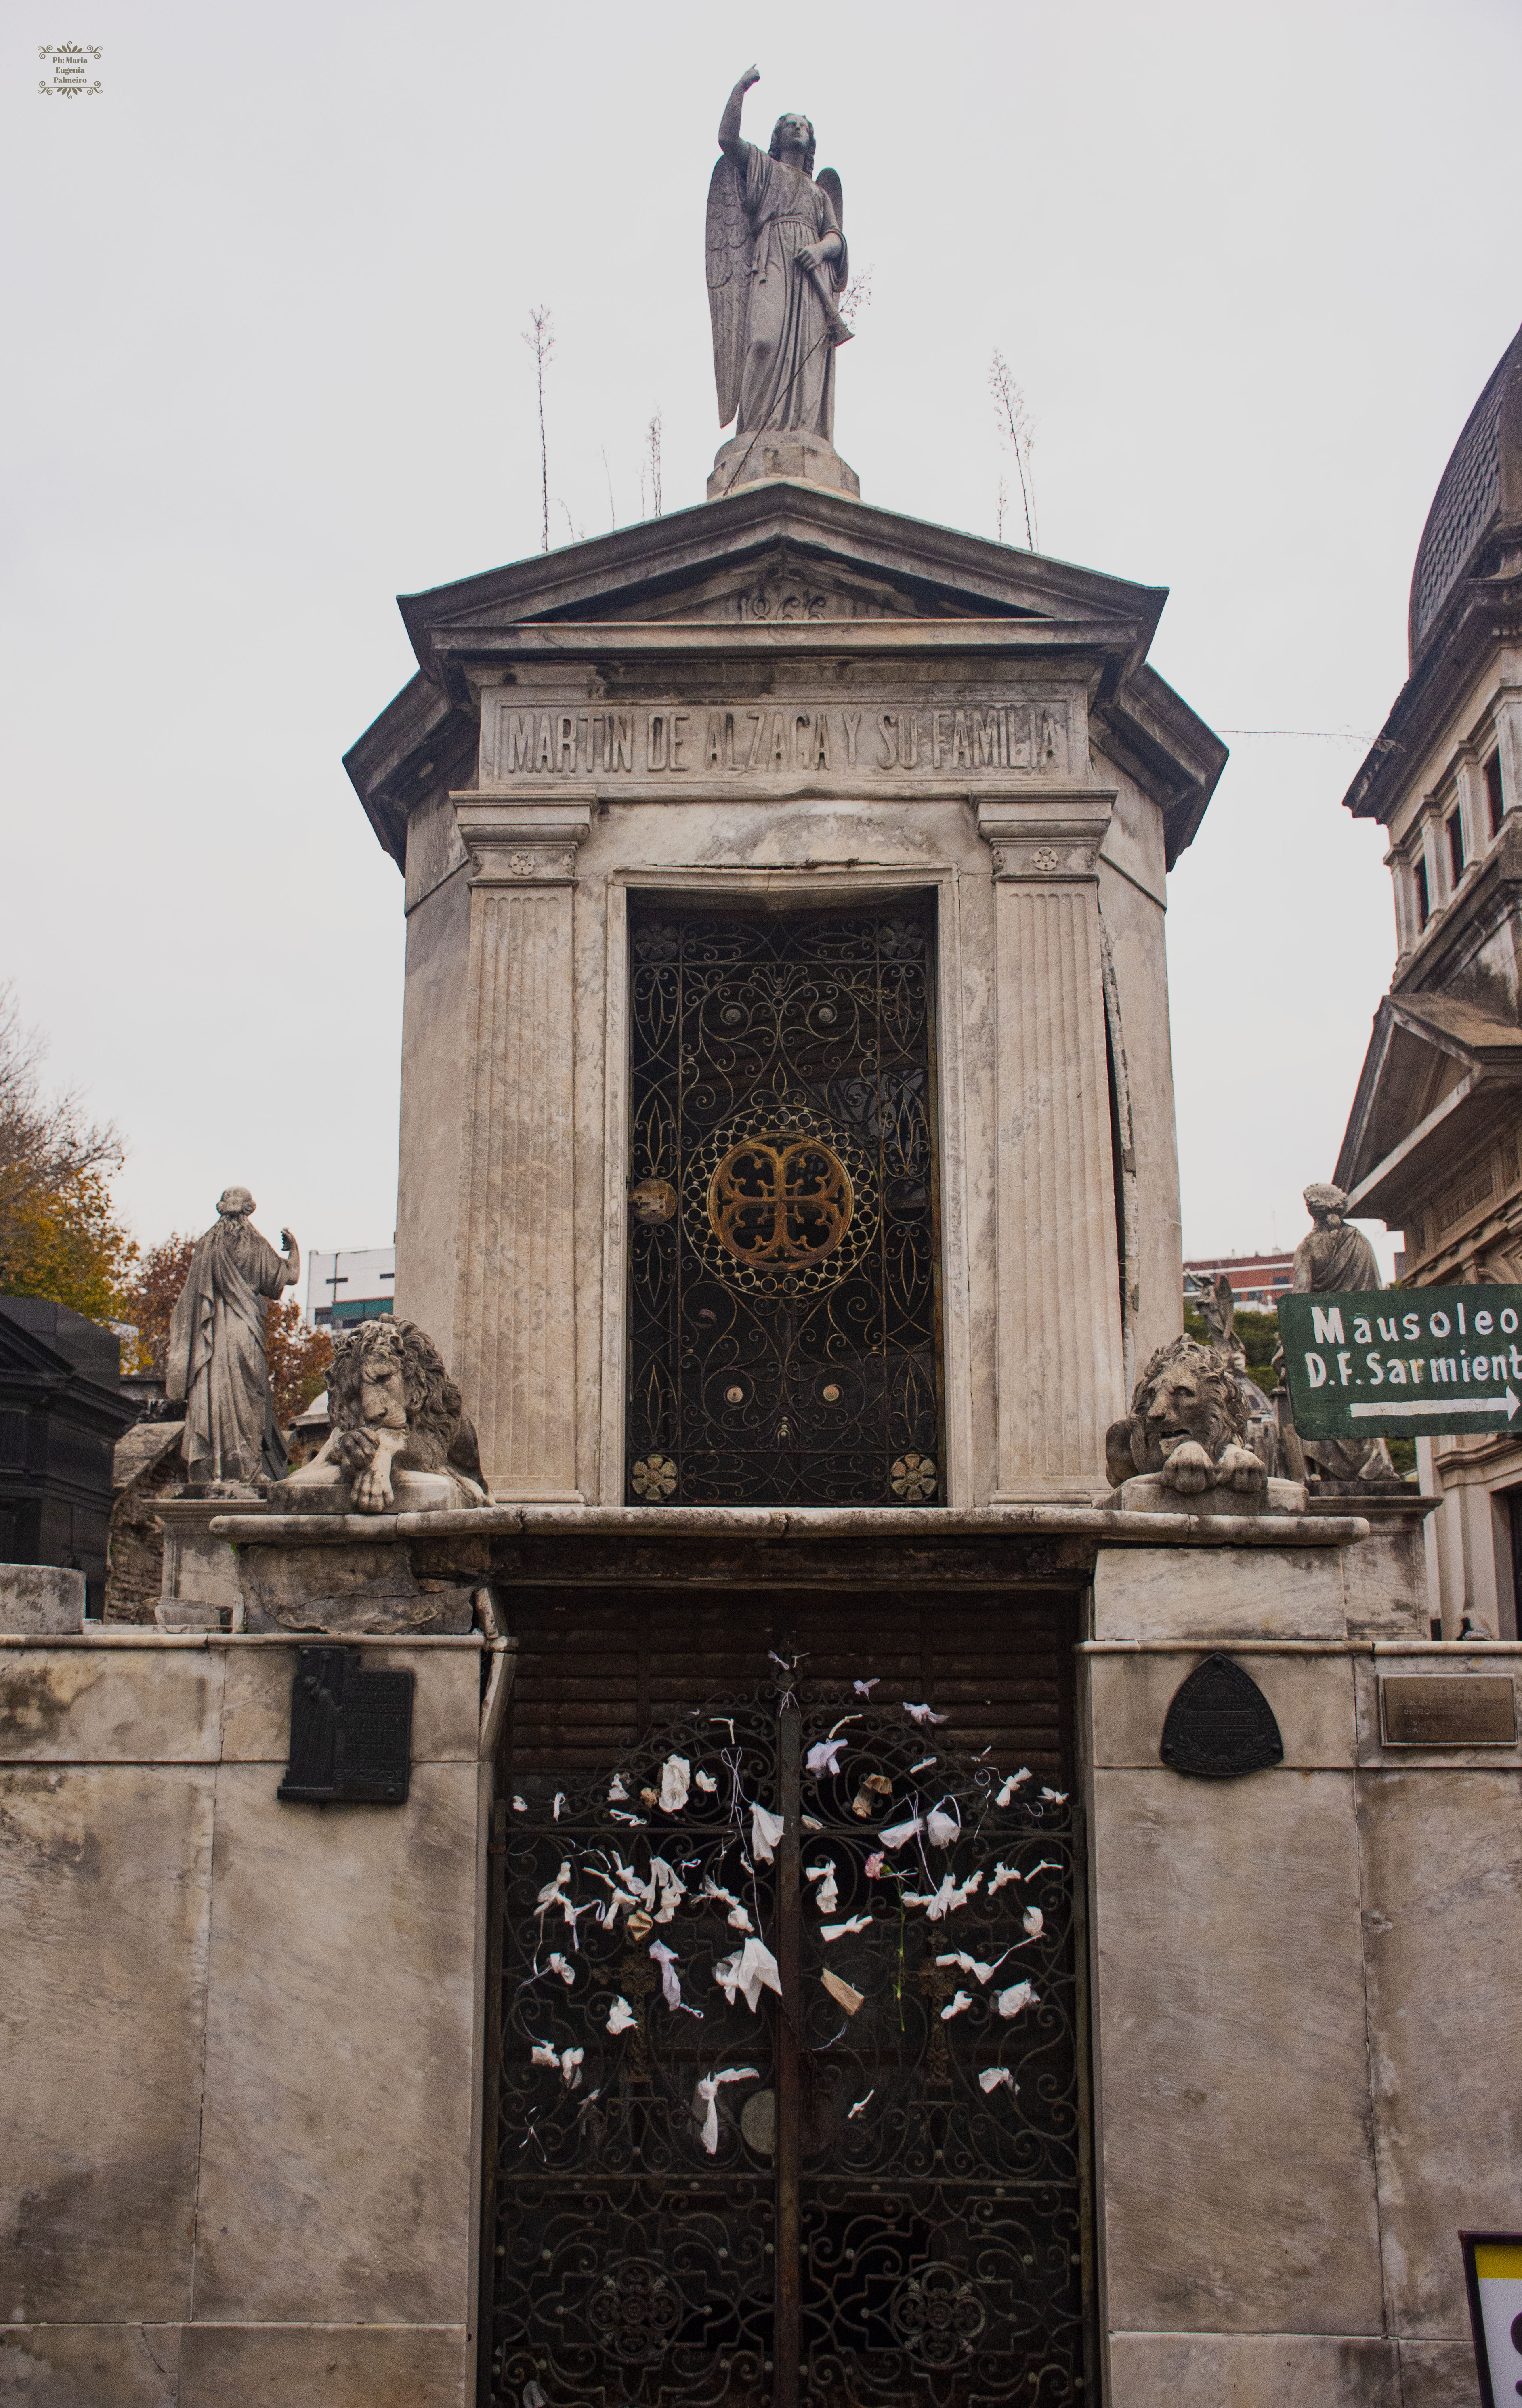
749 1970
1034 1921
1019 1994
708 2098
966 1964
706 1782
1012 1784
941 1830
738 1916
898 1832
992 2075
620 2017
670 1985
946 1899
924 1715
827 1896
956 2006
765 1831
1002 1873
567 2062
676 1774
854 1923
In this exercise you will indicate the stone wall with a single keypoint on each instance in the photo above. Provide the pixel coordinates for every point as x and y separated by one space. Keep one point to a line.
1307 2026
240 2142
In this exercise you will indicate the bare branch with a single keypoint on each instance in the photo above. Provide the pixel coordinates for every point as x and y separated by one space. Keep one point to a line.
1017 433
541 342
652 453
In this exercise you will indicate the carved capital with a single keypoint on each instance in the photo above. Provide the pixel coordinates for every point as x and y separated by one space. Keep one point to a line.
1052 834
514 843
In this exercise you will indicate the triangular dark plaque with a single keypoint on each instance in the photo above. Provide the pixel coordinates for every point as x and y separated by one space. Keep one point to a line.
1220 1724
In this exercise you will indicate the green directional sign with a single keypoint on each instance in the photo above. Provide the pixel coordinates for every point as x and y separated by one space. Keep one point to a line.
1418 1362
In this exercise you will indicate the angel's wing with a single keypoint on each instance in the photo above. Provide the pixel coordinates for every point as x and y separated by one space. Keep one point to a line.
729 247
828 182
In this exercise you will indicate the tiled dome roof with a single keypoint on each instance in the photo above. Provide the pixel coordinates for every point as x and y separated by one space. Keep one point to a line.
1480 489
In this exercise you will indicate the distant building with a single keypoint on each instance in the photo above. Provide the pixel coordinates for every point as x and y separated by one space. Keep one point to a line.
62 1412
354 1286
1258 1281
1432 1143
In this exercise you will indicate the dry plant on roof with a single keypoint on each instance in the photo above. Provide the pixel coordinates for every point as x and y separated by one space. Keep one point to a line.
541 342
1017 433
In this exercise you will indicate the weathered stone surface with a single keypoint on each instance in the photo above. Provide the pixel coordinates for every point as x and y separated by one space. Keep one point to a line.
1210 2370
340 2366
336 2151
1385 1576
746 459
85 1705
1311 1698
356 1588
1147 1494
105 1882
1437 2374
1232 2056
41 1598
1219 1593
199 1570
446 1693
90 2366
1443 1908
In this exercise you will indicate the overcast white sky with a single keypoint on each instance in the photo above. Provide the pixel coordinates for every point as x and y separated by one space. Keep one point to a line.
263 300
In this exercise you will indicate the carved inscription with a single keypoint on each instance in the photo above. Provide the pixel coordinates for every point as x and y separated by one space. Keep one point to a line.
780 740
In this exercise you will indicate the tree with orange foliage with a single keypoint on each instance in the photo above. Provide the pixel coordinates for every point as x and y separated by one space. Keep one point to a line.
298 1357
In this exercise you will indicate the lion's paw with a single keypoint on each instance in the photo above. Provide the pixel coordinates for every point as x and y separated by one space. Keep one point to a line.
372 1493
1188 1468
1240 1468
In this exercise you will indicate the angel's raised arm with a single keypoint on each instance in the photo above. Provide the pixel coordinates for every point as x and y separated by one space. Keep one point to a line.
729 134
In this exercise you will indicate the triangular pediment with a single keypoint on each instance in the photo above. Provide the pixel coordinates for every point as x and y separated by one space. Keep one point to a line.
796 561
768 541
1438 1073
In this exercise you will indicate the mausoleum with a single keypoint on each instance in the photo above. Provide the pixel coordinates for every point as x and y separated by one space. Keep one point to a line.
785 1813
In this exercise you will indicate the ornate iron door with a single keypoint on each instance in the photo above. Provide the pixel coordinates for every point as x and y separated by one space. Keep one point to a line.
789 2080
784 1257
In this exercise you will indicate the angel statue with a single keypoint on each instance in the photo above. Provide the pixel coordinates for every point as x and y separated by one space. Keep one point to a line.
776 260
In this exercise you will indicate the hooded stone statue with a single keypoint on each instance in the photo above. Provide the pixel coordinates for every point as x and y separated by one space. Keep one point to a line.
1335 1258
217 1360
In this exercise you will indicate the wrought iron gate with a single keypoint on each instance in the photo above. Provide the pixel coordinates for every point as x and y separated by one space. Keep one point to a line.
784 1258
789 2080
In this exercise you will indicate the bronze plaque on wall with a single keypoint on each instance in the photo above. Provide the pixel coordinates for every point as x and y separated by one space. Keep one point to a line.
1442 1710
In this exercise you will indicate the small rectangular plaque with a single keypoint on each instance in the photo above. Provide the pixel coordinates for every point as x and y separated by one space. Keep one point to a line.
350 1731
1439 1710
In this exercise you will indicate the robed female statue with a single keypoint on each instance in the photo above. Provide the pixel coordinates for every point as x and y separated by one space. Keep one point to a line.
217 1360
776 260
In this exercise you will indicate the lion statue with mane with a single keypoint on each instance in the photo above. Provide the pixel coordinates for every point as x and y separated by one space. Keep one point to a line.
393 1407
1187 1424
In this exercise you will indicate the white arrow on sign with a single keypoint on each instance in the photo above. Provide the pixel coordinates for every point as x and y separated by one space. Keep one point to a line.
1438 1405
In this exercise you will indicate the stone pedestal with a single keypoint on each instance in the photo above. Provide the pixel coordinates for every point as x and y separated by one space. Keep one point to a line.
239 2130
750 459
1305 2025
201 1586
42 1598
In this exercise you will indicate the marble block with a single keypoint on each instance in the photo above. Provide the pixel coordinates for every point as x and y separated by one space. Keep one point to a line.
41 1596
1148 1493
